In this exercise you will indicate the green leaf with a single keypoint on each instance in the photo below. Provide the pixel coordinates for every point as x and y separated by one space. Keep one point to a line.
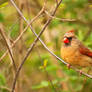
4 4
2 80
41 85
14 32
51 68
45 83
3 1
80 35
37 87
62 5
1 17
54 23
45 63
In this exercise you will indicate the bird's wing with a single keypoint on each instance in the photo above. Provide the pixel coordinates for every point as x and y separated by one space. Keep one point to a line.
85 51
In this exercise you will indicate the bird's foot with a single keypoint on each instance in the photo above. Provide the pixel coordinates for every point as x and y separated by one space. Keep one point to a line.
80 72
69 66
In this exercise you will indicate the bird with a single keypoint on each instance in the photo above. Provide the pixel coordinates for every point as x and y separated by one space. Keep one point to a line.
74 52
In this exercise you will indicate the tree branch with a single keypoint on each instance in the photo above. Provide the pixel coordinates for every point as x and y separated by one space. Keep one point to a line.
46 72
8 47
77 70
19 37
60 19
31 47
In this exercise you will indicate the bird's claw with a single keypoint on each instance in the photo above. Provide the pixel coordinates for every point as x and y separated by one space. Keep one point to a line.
80 72
68 65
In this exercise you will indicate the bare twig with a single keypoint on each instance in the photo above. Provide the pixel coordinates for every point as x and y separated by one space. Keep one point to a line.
11 28
31 47
56 1
5 88
45 45
38 53
18 38
8 47
48 51
63 20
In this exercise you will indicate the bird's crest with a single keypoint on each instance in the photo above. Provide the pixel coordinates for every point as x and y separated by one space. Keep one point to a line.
71 31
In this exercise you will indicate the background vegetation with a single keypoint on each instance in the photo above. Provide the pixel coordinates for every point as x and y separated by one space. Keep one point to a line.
41 71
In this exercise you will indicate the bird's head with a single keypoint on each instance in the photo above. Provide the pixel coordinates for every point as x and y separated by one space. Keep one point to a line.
68 37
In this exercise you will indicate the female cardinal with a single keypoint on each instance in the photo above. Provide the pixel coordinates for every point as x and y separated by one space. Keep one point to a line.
74 52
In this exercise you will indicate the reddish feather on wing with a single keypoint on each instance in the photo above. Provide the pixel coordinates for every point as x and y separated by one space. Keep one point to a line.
85 51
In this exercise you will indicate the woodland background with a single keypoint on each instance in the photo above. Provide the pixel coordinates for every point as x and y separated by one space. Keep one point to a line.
42 72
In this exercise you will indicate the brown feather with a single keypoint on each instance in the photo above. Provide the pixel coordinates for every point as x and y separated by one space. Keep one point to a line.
85 51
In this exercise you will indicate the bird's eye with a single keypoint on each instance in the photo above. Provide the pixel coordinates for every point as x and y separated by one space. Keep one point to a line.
69 38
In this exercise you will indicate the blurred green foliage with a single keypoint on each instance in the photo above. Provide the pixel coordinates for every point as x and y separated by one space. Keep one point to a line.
1 17
3 2
34 77
3 87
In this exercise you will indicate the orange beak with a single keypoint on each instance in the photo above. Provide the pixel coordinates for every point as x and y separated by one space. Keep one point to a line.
66 40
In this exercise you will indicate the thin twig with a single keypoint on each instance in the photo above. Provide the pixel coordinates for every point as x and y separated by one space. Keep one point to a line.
46 46
5 88
38 53
8 47
42 10
56 1
31 47
18 38
63 19
11 28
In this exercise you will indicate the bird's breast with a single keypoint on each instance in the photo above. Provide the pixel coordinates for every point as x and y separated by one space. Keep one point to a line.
70 55
74 57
